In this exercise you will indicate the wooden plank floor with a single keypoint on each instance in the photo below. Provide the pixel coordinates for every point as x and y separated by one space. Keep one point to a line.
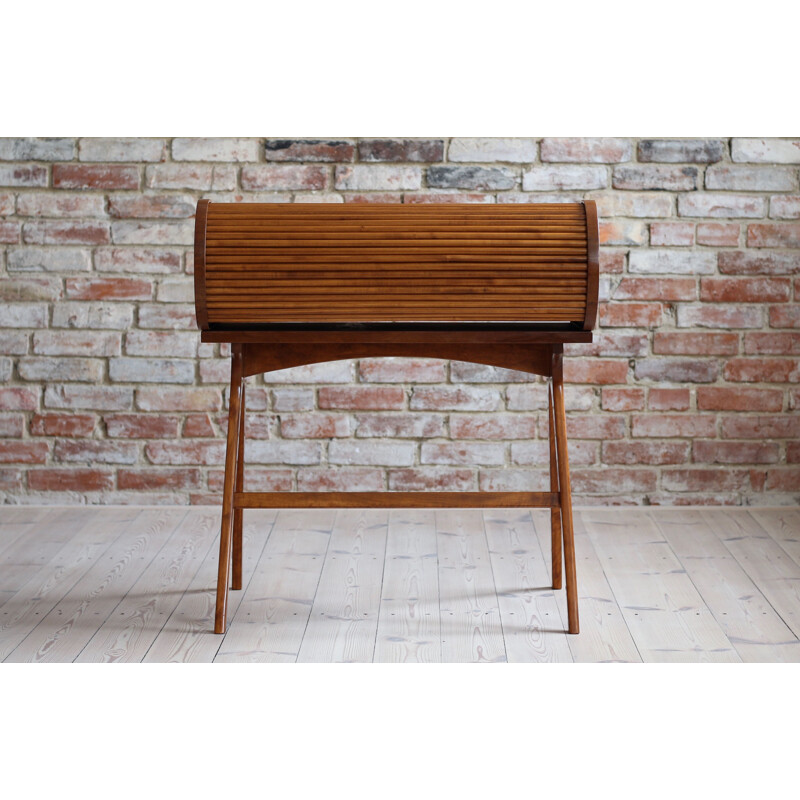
404 585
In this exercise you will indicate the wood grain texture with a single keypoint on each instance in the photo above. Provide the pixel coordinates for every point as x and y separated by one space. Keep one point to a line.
663 610
751 624
67 628
284 262
409 621
271 621
470 611
344 617
532 626
187 636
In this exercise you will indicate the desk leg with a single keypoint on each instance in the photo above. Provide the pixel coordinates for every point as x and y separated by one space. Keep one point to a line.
555 513
566 492
236 583
231 456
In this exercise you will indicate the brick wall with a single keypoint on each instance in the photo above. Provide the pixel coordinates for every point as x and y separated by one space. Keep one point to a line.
689 394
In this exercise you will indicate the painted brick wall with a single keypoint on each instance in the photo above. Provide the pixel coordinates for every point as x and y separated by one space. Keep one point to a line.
689 394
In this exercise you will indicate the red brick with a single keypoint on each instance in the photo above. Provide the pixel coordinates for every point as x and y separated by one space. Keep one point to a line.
142 426
745 290
151 479
256 479
400 426
767 370
784 316
12 426
314 426
672 234
614 481
595 370
105 176
108 289
66 232
431 479
783 480
198 426
733 316
26 452
454 398
622 232
704 344
159 398
374 197
653 452
718 234
630 399
673 425
786 426
677 370
713 398
74 425
785 234
596 427
668 399
744 262
283 178
713 452
401 370
363 479
18 399
309 150
772 343
394 150
656 289
703 480
70 480
494 426
630 315
793 452
151 206
362 397
612 262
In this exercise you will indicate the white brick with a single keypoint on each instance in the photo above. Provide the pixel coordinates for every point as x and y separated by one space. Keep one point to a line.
213 149
151 370
175 290
660 262
116 316
328 372
365 178
766 151
37 149
751 179
632 204
48 259
97 398
127 232
721 205
390 454
262 452
135 149
495 149
567 177
23 315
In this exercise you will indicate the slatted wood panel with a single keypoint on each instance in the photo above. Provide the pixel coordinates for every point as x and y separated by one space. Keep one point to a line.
451 585
260 263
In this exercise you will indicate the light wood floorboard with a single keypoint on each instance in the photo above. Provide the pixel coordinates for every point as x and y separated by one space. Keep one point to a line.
125 584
